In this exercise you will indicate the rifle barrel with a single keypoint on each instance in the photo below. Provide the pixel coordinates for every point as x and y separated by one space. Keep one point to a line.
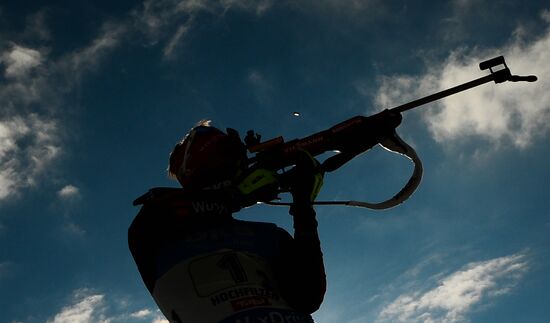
445 93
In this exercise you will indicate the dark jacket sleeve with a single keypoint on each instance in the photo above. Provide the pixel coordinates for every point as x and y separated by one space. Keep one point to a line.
300 270
155 224
142 243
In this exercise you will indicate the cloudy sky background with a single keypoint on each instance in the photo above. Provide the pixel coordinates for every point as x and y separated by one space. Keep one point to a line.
93 97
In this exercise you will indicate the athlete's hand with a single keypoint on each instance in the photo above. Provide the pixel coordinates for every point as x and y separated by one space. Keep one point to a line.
384 123
306 179
305 182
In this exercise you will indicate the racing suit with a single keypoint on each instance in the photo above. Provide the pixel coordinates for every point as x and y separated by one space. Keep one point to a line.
202 265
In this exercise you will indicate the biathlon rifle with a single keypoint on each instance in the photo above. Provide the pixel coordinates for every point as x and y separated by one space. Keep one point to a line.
347 138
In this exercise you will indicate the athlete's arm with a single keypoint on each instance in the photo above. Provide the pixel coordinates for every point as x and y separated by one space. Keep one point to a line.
157 220
299 269
303 272
143 243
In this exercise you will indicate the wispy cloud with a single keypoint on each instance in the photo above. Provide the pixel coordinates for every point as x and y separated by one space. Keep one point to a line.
68 191
20 61
142 313
155 316
69 196
516 113
457 294
73 229
85 308
160 319
31 98
168 21
88 306
86 59
28 143
177 38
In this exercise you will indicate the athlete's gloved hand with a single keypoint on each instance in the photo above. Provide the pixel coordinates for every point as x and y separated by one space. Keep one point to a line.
380 126
386 120
305 181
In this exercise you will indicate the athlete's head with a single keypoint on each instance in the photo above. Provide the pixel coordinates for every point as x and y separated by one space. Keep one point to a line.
207 156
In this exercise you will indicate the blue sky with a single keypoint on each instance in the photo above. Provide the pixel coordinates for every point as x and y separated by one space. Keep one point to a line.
93 95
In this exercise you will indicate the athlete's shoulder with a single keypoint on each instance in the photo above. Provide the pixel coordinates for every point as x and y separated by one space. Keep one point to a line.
157 194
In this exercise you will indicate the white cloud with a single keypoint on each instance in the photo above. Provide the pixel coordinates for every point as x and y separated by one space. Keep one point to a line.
160 319
156 316
10 132
68 191
177 37
20 61
31 99
85 309
28 144
458 293
510 112
70 194
142 313
8 183
88 57
87 306
21 87
74 229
